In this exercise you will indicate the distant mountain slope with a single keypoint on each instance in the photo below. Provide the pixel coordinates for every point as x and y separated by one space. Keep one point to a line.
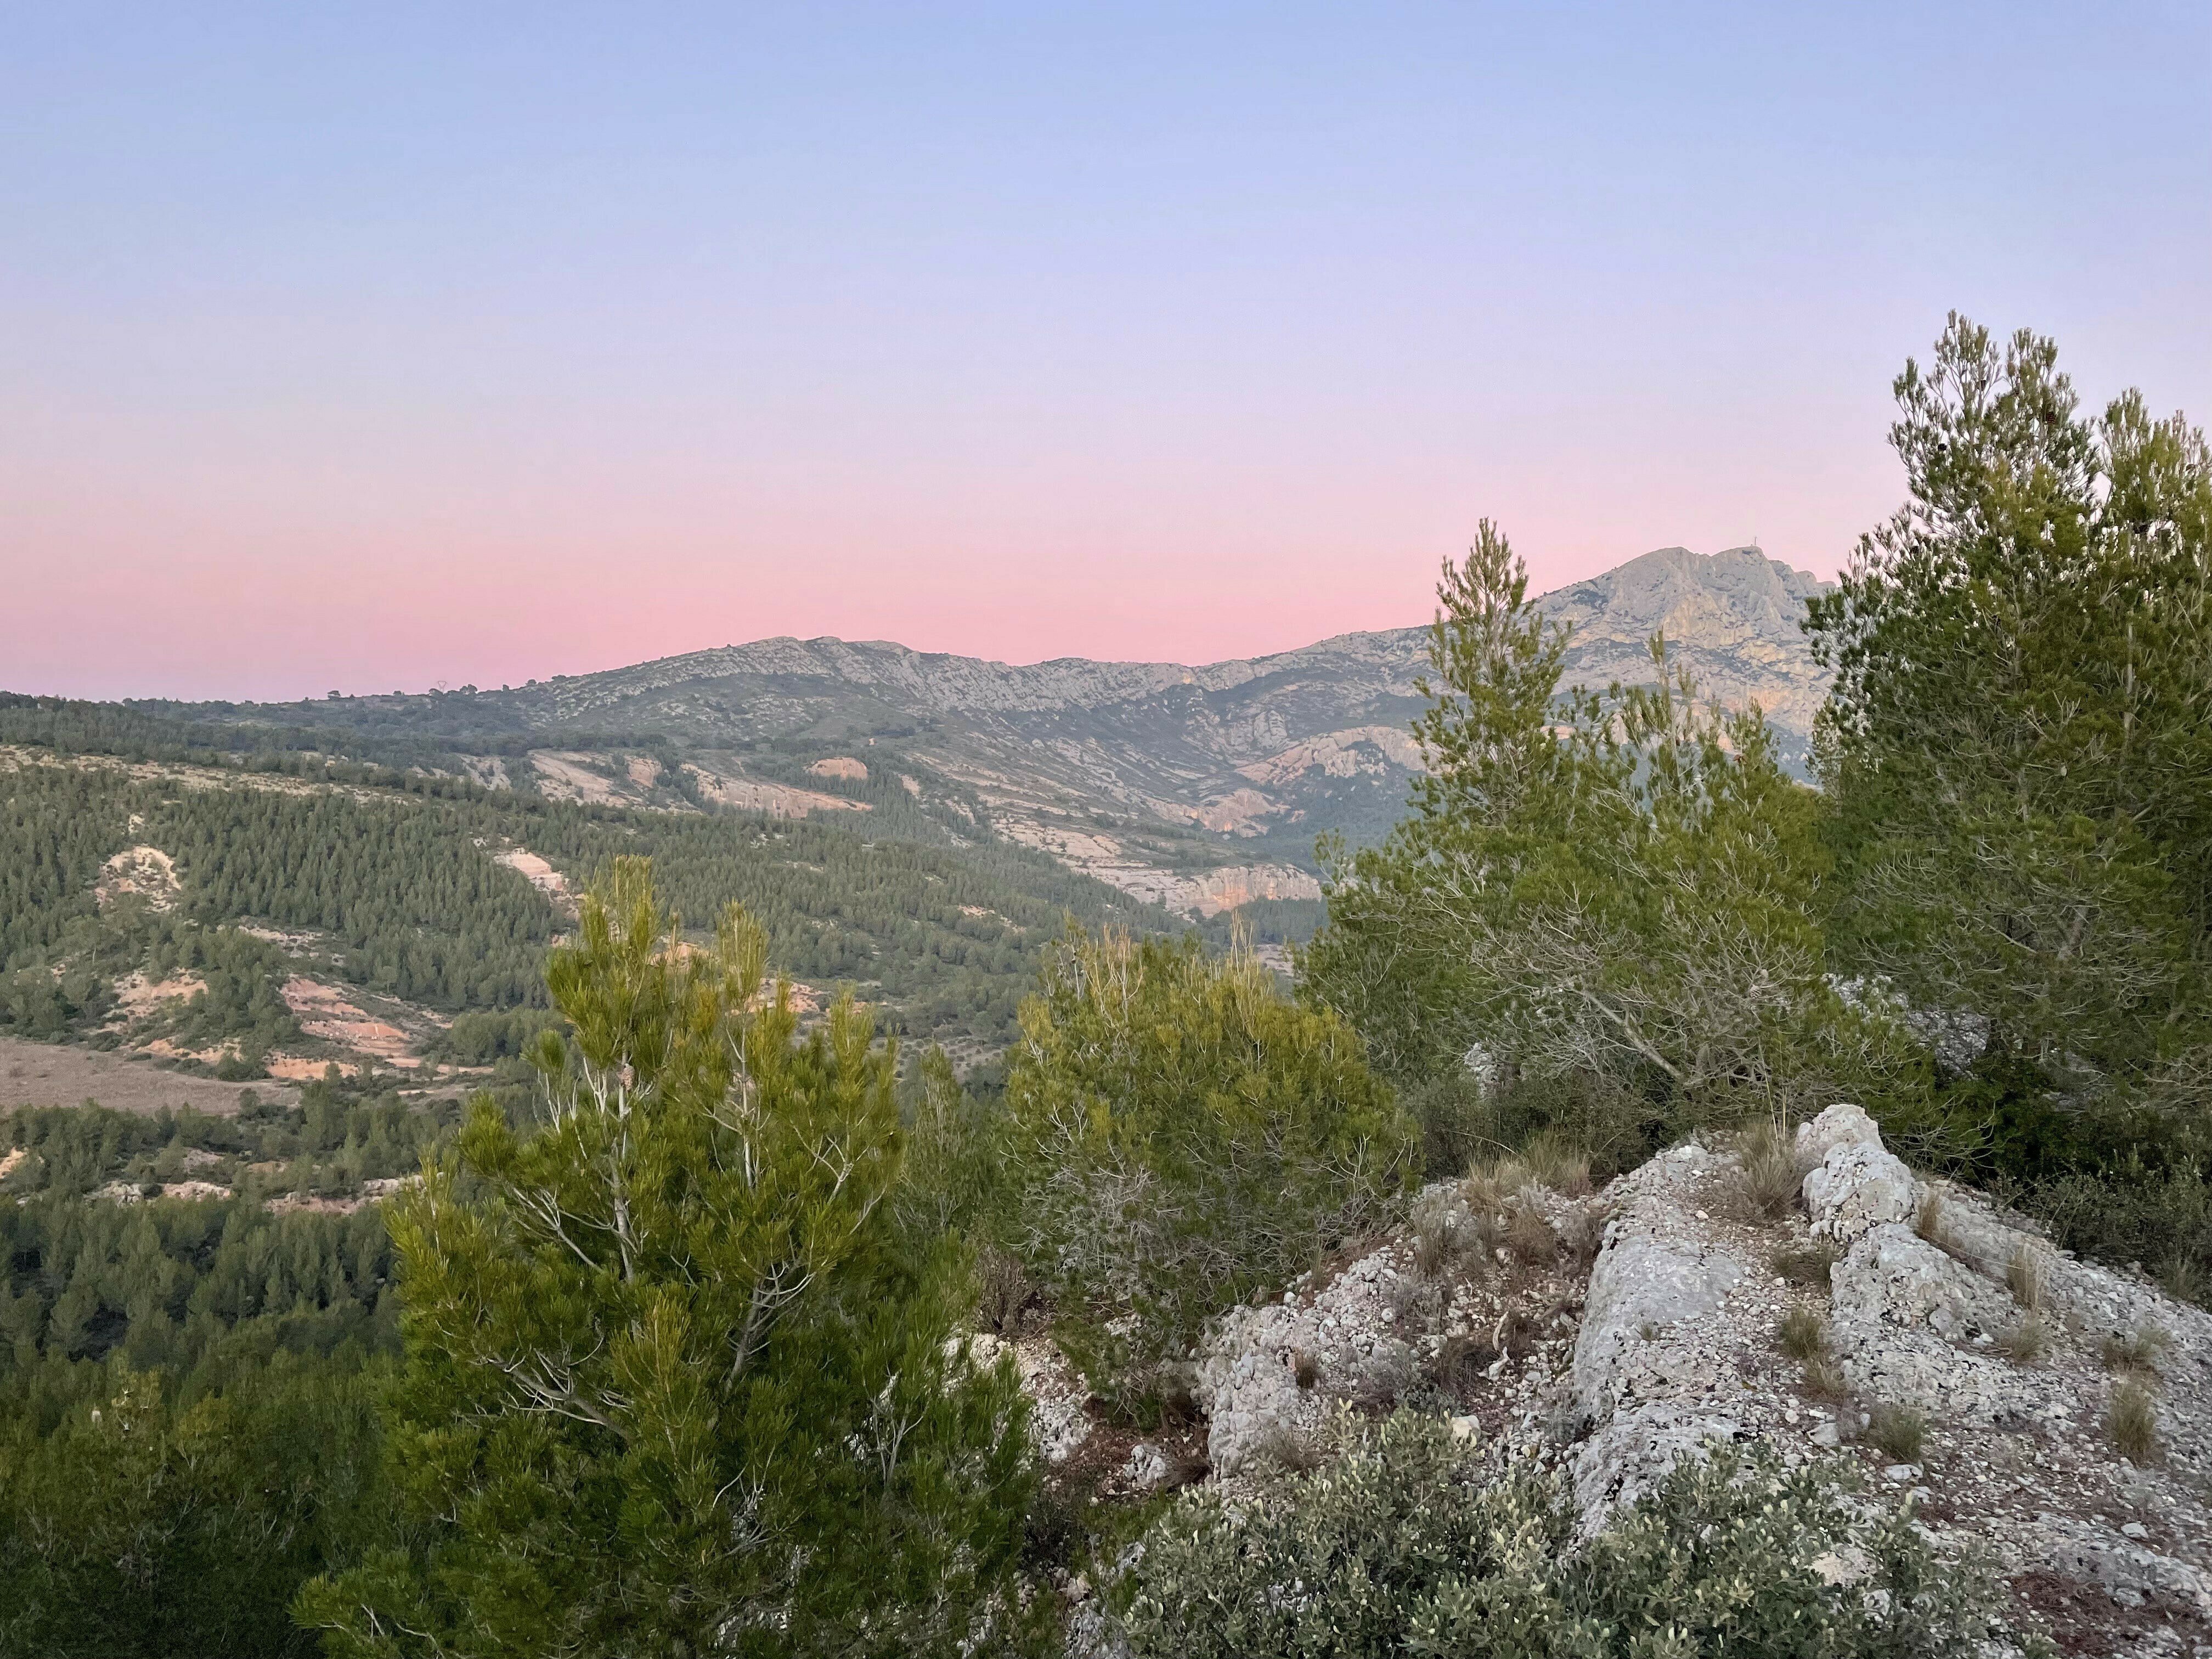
1189 786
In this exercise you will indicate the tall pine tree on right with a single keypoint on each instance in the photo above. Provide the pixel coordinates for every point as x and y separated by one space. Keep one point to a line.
2017 754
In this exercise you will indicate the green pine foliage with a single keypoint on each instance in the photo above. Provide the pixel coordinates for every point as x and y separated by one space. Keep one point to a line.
2018 757
2019 746
187 1385
1615 899
152 1525
396 889
676 1381
1181 1134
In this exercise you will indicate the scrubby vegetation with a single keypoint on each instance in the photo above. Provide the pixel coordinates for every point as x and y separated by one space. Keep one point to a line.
1181 1134
1396 1548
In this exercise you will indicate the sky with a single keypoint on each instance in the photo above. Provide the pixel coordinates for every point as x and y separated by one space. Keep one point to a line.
367 348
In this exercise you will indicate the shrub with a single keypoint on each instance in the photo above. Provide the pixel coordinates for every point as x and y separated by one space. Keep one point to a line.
2135 1212
1396 1549
1183 1135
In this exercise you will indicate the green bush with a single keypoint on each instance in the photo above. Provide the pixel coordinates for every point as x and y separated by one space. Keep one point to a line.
1617 894
145 1525
1396 1550
1182 1134
2161 1218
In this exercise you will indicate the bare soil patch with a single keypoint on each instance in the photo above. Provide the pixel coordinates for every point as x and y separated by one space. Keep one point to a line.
146 873
327 1012
53 1074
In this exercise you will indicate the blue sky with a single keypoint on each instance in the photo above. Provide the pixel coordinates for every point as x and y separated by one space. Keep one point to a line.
374 347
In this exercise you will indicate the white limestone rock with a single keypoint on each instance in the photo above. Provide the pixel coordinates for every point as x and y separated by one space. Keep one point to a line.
1641 1378
1904 1317
1855 1183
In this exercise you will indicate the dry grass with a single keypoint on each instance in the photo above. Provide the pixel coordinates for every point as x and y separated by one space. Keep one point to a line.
1004 1297
2138 1353
2131 1421
1305 1367
1438 1246
1415 1300
1928 1220
1824 1378
1768 1174
1802 1334
2028 1276
1581 1236
1530 1238
1289 1451
1808 1264
1559 1164
1546 1161
2025 1342
1386 1381
1459 1365
2183 1279
1898 1431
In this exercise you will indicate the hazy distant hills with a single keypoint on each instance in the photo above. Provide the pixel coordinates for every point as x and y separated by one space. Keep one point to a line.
1198 787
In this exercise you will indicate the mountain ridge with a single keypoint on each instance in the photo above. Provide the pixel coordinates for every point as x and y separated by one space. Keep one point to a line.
1181 783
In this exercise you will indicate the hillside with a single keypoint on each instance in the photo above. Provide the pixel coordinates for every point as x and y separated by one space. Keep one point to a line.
262 925
1196 787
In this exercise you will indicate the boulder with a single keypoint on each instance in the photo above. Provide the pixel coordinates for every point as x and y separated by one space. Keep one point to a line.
1855 1183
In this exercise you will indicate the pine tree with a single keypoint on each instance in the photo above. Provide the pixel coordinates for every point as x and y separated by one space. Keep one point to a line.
676 1383
1621 893
2019 742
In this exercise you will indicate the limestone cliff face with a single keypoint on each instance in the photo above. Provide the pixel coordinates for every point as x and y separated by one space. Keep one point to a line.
1733 617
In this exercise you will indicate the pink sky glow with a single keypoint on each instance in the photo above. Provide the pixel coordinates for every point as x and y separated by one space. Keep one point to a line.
375 348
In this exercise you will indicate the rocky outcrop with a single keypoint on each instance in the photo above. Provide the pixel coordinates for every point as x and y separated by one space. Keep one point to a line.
1925 1313
1461 1300
1854 1183
1676 1347
1648 1384
1910 1372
